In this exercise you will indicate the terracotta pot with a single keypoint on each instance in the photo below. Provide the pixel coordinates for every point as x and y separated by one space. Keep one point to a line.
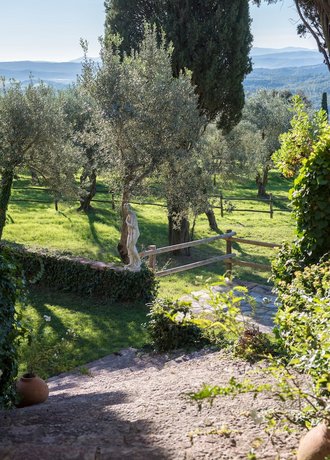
315 445
31 389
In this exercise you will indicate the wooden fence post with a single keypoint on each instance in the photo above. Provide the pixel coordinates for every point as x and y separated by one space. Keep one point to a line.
221 204
229 251
271 211
152 258
56 205
113 200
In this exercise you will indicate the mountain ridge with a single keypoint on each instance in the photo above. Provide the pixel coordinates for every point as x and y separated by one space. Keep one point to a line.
295 69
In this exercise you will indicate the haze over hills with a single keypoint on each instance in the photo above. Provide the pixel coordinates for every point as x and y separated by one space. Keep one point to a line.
295 69
269 58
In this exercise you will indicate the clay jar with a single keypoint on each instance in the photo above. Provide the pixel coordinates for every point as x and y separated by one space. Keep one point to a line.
31 389
315 445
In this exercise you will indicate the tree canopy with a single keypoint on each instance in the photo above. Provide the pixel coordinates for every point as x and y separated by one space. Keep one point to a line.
34 134
253 141
144 115
211 38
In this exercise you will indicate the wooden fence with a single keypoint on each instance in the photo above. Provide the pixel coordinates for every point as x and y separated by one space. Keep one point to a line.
229 257
270 202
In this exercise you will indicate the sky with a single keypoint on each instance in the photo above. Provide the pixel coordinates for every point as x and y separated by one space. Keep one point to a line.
44 30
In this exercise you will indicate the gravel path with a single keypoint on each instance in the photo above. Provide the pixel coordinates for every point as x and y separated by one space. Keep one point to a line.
132 406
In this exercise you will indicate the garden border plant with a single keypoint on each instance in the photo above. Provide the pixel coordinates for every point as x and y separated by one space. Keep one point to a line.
12 330
65 272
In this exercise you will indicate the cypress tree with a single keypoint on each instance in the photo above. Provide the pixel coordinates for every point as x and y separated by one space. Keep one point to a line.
211 38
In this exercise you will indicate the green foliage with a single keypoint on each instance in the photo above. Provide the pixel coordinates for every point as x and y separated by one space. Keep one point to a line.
34 134
297 144
311 201
144 115
100 327
64 272
252 142
296 402
303 322
11 331
171 326
44 353
307 146
225 325
212 39
253 344
95 235
302 334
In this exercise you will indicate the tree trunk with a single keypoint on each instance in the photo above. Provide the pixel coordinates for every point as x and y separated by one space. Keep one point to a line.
5 192
122 245
89 191
261 181
212 220
178 234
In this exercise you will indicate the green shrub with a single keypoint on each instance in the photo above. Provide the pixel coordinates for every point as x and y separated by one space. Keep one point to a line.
303 322
47 354
306 148
62 271
11 288
171 326
221 324
253 344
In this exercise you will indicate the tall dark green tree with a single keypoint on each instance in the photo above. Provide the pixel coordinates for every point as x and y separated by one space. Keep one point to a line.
211 38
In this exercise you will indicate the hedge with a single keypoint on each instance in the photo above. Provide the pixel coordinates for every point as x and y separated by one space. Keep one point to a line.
63 271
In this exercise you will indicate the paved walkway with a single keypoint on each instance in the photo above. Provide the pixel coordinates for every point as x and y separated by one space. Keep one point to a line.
265 307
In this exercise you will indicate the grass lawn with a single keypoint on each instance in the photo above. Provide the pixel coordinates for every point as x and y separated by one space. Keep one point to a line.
96 235
103 327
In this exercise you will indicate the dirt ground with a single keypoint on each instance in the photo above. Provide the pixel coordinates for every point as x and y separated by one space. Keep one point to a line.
133 406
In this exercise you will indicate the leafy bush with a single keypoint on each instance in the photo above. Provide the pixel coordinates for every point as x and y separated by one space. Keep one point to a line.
221 324
171 326
64 272
47 354
227 326
253 344
11 288
306 149
303 321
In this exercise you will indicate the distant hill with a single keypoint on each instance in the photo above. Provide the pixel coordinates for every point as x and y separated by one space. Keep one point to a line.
295 69
58 74
312 81
271 58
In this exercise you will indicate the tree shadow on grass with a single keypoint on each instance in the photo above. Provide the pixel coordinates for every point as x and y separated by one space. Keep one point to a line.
102 326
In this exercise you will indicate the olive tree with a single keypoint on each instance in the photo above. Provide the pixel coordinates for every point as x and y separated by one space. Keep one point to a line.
34 134
253 141
79 107
145 116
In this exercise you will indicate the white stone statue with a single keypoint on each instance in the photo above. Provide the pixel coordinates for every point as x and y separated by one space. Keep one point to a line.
132 237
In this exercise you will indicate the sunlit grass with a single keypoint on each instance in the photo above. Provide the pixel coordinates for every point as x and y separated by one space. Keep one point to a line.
96 235
101 327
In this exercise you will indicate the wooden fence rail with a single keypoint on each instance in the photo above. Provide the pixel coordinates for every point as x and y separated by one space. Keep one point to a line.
230 258
113 200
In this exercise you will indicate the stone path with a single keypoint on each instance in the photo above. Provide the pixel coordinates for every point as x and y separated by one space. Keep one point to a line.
134 406
265 307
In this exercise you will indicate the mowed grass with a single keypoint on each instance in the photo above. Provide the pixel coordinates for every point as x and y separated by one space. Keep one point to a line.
96 235
103 327
100 327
